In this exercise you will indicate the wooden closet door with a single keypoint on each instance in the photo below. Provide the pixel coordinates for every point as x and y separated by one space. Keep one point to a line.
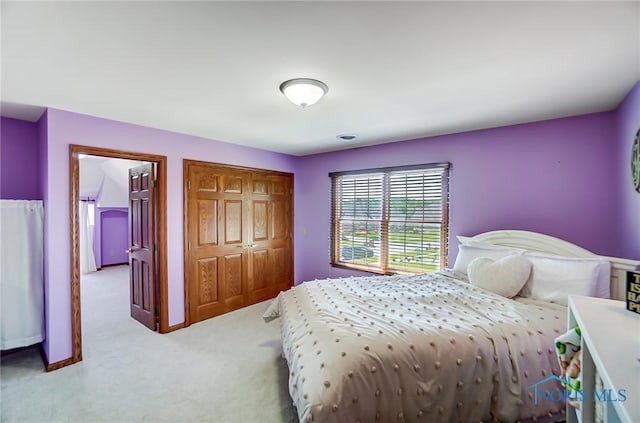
270 236
216 240
238 236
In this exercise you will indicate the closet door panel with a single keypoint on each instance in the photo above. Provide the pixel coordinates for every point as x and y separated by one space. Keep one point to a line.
280 265
260 185
233 218
261 270
207 217
207 278
281 227
233 275
260 216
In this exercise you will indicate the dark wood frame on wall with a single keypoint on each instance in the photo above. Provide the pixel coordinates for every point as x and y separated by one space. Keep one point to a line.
161 225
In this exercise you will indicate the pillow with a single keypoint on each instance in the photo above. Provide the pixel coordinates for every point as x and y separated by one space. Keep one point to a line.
465 240
466 253
554 278
505 276
603 285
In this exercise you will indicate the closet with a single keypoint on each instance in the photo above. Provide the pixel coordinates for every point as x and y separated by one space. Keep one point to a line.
238 237
21 273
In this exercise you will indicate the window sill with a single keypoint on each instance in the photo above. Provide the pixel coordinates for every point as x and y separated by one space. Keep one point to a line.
374 271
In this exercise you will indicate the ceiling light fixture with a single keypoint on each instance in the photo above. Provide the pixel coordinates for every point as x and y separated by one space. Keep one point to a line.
303 91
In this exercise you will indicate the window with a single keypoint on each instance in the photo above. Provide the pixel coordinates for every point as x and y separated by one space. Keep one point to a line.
391 220
91 212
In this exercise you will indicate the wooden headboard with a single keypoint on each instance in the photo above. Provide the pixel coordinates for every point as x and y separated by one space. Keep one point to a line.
540 243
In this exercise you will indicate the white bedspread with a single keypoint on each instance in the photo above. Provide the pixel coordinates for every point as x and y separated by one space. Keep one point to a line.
415 348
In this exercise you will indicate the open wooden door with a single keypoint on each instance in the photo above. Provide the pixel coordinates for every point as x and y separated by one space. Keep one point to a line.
142 269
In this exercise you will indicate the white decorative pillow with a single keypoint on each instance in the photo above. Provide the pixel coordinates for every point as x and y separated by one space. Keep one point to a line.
466 254
505 276
554 278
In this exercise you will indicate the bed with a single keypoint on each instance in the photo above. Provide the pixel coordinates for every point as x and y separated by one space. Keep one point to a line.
435 347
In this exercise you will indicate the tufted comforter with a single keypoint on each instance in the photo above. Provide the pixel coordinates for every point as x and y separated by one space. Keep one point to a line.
416 348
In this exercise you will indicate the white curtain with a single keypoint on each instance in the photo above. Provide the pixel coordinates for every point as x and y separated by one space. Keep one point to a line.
21 273
87 259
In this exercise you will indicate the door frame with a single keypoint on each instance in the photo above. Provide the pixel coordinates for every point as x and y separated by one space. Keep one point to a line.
161 232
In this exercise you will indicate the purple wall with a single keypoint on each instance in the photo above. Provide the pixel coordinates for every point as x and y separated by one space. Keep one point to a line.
111 240
64 128
19 160
553 177
628 124
114 228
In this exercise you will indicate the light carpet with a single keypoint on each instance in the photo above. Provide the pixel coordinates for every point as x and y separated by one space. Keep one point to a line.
225 369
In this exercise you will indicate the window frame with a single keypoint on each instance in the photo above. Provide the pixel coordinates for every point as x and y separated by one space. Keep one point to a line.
387 172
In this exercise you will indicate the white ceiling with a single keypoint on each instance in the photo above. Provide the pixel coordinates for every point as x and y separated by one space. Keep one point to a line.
395 70
92 175
107 174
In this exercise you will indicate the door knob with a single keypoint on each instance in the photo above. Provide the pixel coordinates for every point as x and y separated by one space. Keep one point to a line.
131 250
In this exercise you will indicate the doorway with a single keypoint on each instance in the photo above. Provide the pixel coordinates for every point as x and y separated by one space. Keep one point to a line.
160 215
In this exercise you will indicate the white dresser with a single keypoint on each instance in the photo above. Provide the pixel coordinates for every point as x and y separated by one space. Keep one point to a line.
610 344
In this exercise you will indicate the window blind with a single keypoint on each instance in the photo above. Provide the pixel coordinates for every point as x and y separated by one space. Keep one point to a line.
391 220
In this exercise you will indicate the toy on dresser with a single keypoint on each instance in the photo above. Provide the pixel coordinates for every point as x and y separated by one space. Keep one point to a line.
570 356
